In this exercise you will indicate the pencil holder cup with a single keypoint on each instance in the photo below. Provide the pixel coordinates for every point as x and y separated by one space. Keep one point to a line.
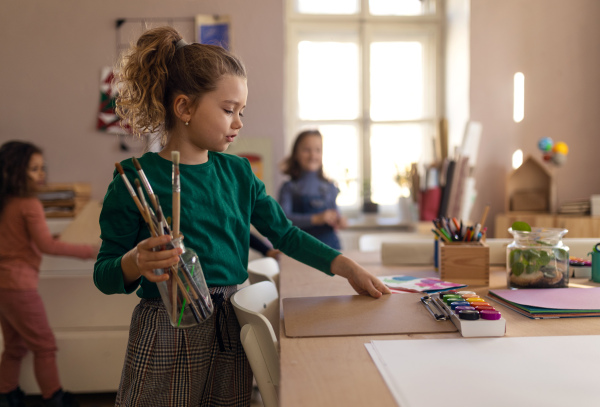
185 294
464 262
537 259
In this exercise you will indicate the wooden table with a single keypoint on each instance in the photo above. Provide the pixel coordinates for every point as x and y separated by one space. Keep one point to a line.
338 371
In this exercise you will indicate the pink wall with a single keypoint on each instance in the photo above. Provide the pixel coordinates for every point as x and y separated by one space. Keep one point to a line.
52 53
556 44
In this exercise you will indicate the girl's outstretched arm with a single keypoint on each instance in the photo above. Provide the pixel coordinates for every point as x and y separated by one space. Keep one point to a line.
360 279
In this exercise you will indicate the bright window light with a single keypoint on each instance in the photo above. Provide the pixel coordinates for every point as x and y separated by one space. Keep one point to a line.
394 148
397 84
328 80
340 160
328 7
396 7
519 98
517 159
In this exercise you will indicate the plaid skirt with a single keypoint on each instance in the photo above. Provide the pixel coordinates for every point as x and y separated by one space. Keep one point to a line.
200 366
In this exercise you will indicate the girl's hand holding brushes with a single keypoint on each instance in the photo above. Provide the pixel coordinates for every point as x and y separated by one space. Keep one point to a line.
142 260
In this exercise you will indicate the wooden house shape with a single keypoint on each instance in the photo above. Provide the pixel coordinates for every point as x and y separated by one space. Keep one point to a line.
531 188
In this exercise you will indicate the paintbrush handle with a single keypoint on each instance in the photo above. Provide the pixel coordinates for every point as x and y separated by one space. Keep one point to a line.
176 181
184 292
484 216
189 278
176 210
141 208
148 188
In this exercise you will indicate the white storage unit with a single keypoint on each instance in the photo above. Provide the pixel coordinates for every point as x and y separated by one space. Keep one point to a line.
91 328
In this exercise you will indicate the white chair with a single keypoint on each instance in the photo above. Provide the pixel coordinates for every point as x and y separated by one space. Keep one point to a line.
256 307
263 269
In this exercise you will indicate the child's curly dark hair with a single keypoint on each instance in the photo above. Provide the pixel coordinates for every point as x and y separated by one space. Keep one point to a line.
14 161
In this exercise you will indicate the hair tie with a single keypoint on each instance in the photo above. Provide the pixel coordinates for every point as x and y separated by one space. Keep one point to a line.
180 44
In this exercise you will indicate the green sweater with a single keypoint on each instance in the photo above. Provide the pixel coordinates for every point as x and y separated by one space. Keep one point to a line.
219 201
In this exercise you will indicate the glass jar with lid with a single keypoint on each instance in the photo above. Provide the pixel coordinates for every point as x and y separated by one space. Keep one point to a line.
537 259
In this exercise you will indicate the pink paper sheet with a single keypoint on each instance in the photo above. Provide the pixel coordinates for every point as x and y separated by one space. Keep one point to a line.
559 298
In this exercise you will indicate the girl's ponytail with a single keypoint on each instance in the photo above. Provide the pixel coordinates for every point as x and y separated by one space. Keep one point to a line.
141 80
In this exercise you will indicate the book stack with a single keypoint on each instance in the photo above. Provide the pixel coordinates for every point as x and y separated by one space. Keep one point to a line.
64 200
577 207
540 303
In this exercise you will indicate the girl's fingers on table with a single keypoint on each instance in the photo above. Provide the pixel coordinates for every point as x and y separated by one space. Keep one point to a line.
380 286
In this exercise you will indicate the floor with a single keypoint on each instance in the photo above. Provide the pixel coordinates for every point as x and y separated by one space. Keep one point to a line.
108 399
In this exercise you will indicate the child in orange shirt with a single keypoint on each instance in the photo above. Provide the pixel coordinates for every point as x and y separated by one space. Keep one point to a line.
24 236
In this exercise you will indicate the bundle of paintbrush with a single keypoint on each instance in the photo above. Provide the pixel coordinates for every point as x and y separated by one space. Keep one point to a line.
185 294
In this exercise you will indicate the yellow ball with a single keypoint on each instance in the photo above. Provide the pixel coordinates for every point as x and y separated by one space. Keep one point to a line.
561 147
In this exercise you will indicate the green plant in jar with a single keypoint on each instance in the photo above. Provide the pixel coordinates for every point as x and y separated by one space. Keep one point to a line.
537 258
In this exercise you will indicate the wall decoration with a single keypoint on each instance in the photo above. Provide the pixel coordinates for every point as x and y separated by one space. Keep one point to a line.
108 121
213 30
555 153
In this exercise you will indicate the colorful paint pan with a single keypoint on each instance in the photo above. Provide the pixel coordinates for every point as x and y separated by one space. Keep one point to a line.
464 308
481 307
470 315
489 314
455 304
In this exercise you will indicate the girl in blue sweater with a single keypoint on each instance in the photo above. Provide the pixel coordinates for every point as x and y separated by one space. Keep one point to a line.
308 198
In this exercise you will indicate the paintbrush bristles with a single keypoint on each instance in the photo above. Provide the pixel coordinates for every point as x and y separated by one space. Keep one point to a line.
136 163
120 168
175 157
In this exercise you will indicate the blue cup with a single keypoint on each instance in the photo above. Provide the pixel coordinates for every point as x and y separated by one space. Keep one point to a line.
595 266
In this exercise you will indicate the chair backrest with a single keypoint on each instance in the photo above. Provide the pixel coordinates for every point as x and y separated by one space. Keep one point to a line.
253 306
264 269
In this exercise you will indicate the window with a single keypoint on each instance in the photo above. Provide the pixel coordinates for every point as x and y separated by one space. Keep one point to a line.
366 73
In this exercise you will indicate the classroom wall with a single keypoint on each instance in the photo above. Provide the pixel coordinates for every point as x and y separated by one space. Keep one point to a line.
556 44
457 74
52 53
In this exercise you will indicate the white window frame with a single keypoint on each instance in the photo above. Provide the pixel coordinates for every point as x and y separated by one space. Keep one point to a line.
429 28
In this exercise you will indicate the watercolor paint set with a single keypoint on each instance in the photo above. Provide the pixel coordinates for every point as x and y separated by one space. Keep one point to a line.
471 314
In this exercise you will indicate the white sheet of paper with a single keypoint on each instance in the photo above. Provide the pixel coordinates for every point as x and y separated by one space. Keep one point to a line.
496 372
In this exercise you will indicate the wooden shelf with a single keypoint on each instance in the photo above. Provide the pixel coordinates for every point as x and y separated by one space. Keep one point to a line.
577 225
65 200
